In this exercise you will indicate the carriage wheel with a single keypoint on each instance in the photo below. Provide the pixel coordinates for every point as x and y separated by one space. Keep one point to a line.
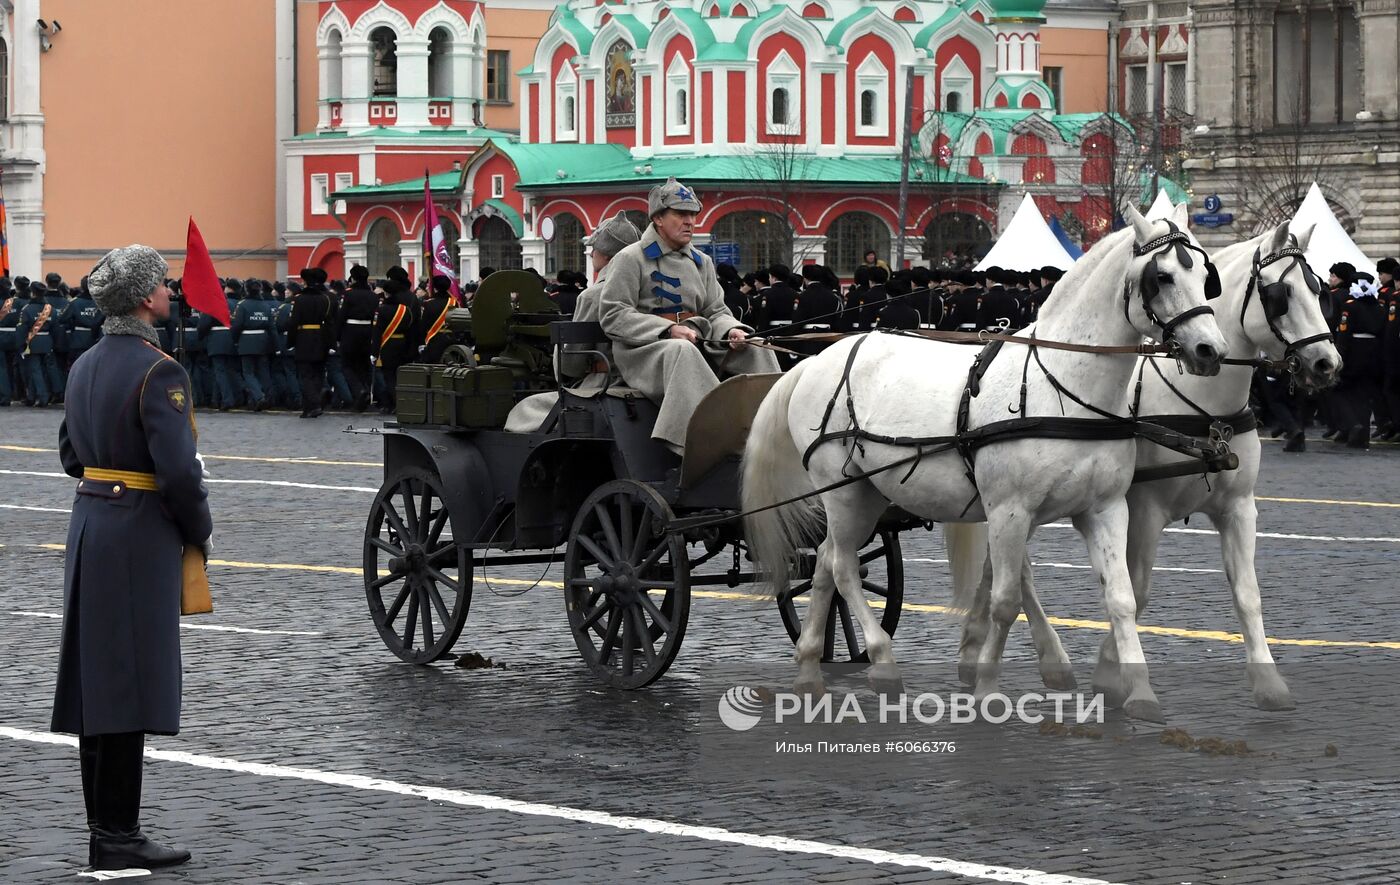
626 584
417 579
882 577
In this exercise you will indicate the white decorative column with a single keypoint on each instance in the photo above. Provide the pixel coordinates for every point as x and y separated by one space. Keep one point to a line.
356 252
412 99
465 93
410 257
354 85
25 161
532 253
469 252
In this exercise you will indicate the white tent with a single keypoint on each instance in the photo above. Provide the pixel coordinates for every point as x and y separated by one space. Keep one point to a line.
1027 243
1330 243
1161 208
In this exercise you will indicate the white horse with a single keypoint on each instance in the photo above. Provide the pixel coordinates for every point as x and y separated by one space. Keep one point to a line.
1138 282
1269 304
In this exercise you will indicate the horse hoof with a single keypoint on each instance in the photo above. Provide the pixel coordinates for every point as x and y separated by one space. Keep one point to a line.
813 687
1275 700
885 680
1113 695
1146 709
1059 677
967 675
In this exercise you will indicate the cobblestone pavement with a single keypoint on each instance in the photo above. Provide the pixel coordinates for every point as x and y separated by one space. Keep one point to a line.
310 754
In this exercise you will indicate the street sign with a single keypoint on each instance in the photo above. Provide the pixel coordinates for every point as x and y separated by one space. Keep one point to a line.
1212 204
722 253
1216 219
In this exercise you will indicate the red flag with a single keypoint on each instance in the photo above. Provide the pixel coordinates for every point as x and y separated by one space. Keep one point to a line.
436 259
200 283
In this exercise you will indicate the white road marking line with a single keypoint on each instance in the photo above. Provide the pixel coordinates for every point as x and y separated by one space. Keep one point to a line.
488 802
35 509
260 482
1159 568
1276 536
256 631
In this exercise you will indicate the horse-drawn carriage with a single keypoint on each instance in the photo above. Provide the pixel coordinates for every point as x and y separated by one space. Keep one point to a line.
635 526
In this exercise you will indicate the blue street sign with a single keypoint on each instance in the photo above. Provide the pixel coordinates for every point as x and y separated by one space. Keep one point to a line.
1212 204
722 253
1213 219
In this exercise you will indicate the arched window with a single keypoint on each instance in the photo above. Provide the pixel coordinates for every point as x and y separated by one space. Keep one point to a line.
867 107
440 63
955 240
333 66
762 239
954 102
638 218
384 47
568 123
779 115
784 85
565 104
499 246
4 80
382 247
678 94
565 251
851 236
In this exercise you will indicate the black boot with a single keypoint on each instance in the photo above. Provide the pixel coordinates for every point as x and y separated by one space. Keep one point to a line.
117 841
1359 438
1297 442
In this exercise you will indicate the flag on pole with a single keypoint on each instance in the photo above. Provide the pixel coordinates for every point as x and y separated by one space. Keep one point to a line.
200 283
435 255
4 239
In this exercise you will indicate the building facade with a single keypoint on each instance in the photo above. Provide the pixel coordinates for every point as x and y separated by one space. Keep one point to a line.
788 117
114 130
1278 95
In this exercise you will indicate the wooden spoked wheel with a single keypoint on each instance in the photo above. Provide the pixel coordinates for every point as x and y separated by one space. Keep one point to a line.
626 585
418 580
882 578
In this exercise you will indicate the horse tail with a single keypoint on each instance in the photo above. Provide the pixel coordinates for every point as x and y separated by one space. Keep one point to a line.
773 472
967 555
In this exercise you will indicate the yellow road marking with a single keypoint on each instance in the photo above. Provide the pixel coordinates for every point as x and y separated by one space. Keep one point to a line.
733 595
266 460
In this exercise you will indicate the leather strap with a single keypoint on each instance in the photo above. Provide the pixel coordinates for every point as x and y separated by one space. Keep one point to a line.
132 479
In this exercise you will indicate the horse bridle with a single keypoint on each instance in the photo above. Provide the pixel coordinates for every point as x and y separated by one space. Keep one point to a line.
1273 297
1178 240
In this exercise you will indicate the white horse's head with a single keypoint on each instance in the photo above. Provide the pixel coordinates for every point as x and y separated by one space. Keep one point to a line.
1282 309
1168 282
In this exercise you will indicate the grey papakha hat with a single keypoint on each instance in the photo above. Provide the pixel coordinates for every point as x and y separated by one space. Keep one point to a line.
613 234
124 277
671 195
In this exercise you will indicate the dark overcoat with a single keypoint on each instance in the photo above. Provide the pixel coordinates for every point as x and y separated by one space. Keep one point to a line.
128 408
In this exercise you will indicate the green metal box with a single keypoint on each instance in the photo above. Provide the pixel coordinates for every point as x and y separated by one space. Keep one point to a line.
411 394
474 398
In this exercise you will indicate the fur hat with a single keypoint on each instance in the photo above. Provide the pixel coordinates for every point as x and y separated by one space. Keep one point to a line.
1343 271
1388 265
359 273
671 195
313 276
441 283
53 278
125 277
398 275
613 234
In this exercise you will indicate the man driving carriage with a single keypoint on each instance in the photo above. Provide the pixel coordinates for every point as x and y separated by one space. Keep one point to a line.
663 309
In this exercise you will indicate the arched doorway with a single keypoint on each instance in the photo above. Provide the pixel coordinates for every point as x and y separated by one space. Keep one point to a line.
760 239
955 240
565 251
381 247
500 248
851 236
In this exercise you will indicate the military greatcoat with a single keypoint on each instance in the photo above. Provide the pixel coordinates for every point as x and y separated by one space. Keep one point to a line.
648 289
128 408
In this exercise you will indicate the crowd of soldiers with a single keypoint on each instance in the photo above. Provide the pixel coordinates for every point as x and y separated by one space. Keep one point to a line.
317 344
304 345
1363 312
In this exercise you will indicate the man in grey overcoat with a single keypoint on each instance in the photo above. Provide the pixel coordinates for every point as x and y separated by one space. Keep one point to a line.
663 308
128 436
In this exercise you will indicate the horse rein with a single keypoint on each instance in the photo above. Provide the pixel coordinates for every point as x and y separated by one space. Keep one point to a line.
1181 242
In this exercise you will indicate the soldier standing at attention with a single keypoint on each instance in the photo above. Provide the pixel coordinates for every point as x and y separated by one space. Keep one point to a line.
9 341
394 324
310 335
356 334
82 322
36 322
432 325
252 327
128 436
